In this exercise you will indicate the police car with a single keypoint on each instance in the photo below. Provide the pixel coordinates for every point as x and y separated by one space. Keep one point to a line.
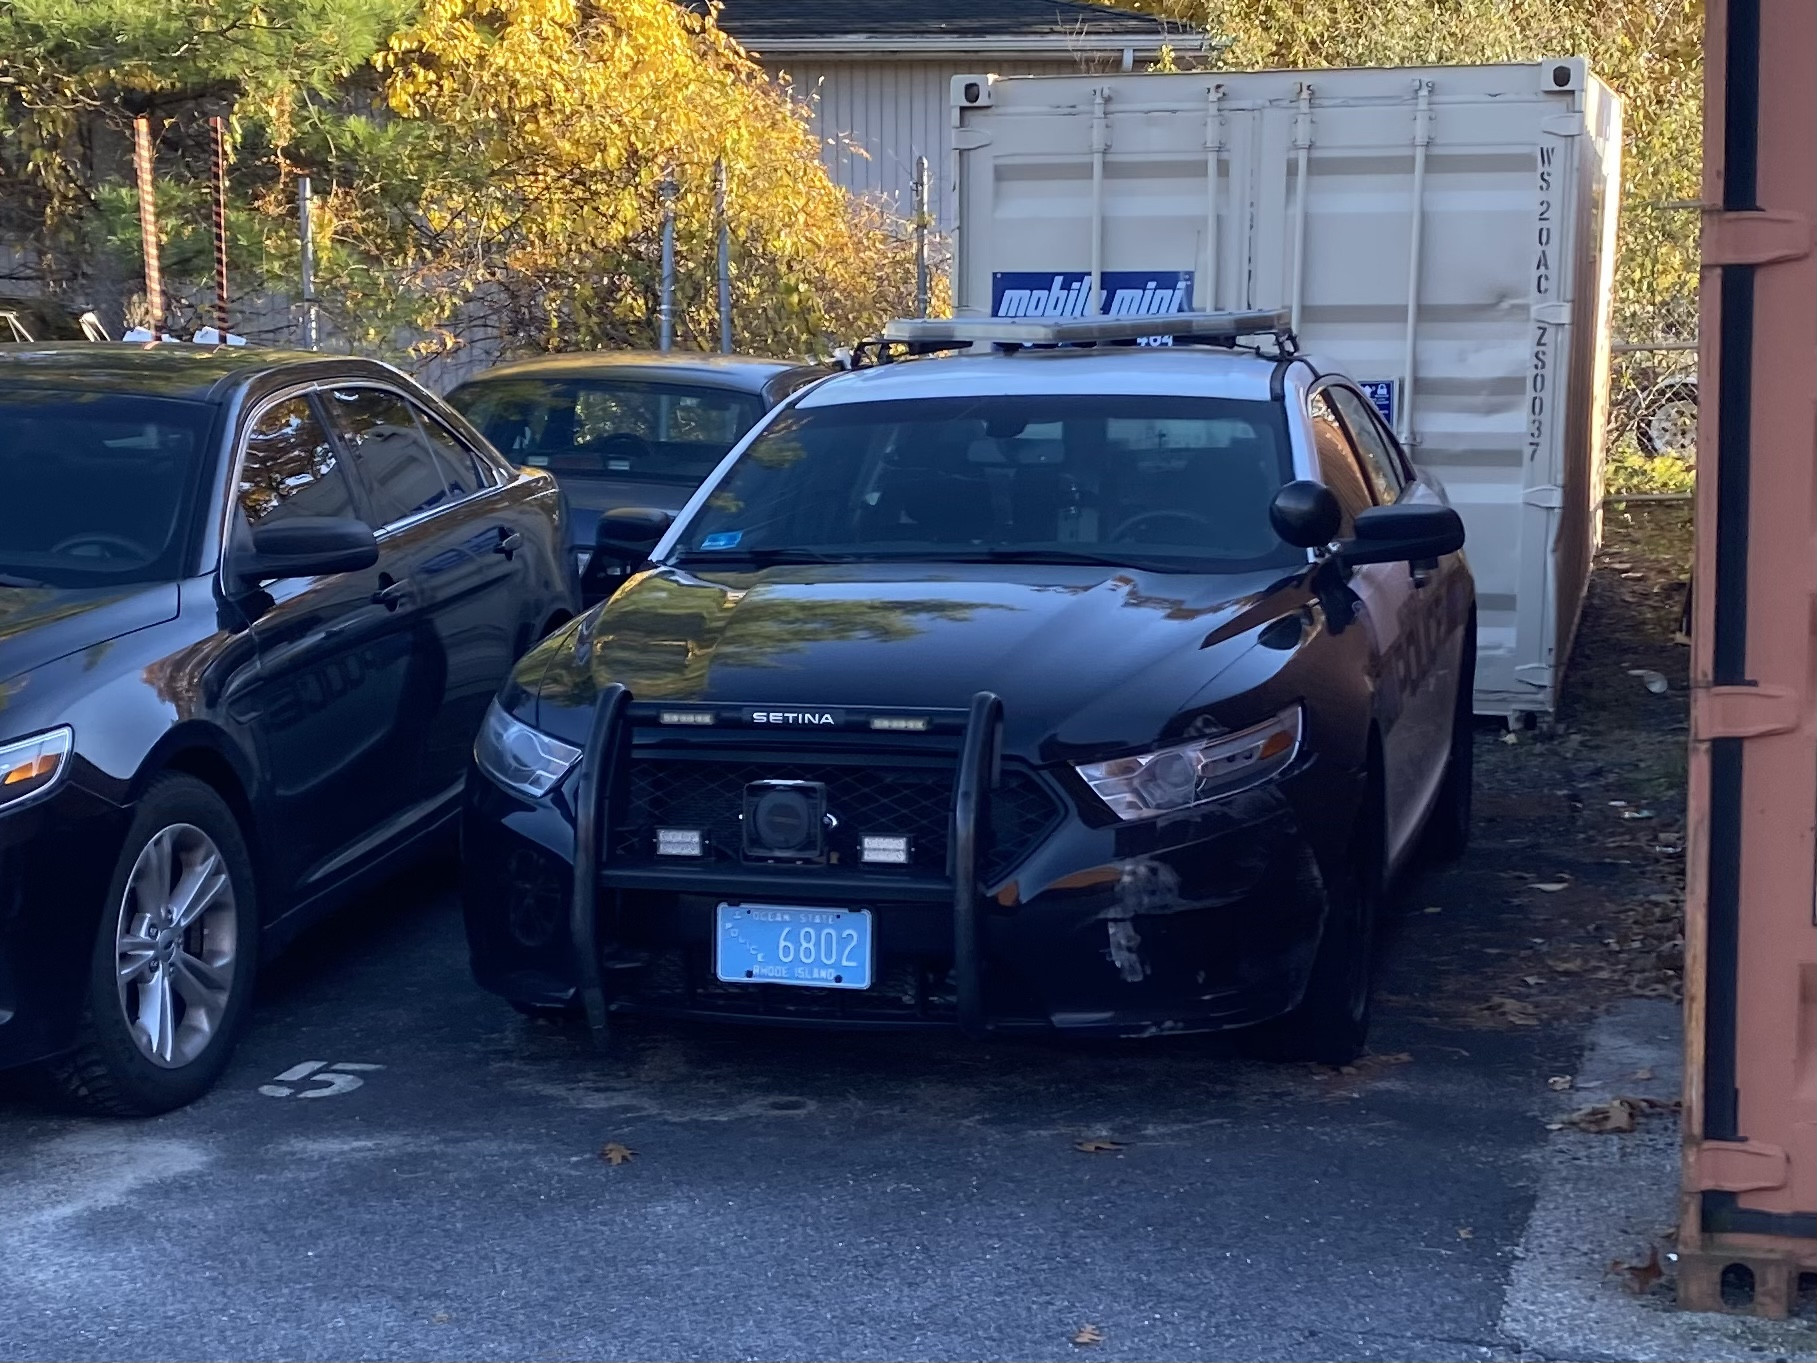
1025 677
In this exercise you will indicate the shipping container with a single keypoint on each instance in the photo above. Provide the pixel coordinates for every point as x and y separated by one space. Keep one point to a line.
1444 235
1749 1214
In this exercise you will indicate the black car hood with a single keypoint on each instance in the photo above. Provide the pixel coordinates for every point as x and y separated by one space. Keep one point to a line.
38 625
1084 657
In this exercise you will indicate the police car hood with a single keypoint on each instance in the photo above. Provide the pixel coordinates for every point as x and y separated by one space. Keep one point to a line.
1083 657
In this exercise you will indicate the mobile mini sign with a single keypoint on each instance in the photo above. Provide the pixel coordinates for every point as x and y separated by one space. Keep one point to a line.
1063 293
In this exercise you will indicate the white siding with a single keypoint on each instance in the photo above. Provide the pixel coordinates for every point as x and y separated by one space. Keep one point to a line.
875 117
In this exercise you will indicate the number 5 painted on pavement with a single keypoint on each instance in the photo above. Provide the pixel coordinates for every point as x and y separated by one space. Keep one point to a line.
340 1077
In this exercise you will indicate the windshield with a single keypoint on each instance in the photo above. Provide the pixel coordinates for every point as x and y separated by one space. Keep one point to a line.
1180 484
97 488
609 429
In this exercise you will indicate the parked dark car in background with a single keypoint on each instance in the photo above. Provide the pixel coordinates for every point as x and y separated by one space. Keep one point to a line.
253 606
622 429
27 320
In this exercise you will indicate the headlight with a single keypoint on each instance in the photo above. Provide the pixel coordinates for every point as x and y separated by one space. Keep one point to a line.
32 765
518 757
1193 773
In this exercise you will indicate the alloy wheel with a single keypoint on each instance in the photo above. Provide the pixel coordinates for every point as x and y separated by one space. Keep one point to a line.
174 945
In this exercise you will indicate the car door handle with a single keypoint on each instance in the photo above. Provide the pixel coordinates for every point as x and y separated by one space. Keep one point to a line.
509 542
391 593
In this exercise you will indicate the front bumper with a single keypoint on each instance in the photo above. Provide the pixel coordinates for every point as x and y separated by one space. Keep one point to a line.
1197 922
57 855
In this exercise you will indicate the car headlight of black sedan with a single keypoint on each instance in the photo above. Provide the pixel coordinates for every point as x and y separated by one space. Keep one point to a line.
1187 774
521 759
31 766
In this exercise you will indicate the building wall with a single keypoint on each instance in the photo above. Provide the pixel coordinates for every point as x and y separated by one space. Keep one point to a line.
875 117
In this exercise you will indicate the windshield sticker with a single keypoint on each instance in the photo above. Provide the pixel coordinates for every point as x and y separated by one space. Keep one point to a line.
724 539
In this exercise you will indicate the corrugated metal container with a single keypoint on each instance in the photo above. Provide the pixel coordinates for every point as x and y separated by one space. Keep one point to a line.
1749 1222
874 118
1445 235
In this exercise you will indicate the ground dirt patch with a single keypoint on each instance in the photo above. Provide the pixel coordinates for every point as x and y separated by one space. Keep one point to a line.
1571 895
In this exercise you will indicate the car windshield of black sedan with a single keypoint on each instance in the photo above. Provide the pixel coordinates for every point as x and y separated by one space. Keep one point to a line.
97 488
1180 484
608 430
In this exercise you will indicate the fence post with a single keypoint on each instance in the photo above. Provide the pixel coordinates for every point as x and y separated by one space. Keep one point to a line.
725 258
666 315
148 224
219 126
921 229
306 237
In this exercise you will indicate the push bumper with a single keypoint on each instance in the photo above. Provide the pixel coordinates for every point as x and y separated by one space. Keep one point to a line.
1202 923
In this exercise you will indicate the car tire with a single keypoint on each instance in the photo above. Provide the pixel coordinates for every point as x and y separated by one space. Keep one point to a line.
175 958
1331 1024
1667 423
1447 833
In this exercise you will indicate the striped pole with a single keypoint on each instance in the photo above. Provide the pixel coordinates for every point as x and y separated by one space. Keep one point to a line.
148 223
219 125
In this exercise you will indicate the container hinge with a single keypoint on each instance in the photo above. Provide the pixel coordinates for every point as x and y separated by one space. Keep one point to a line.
1742 711
1755 238
970 139
1741 1166
1551 497
1564 125
1534 674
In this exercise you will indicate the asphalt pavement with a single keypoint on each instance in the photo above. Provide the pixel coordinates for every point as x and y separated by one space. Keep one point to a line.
398 1166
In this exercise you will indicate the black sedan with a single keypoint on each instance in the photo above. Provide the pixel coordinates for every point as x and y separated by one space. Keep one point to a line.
624 428
253 606
1099 690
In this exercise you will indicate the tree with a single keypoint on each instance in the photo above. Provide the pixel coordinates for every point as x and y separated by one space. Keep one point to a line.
483 168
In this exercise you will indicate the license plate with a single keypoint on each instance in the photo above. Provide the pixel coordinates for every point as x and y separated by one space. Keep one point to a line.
782 944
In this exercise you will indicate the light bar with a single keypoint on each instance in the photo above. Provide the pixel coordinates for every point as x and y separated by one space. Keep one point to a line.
883 850
1006 331
680 842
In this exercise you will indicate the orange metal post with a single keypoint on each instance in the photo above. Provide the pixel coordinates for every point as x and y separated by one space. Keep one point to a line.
1750 1162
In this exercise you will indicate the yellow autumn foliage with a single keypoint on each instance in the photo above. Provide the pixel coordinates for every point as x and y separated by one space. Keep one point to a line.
537 137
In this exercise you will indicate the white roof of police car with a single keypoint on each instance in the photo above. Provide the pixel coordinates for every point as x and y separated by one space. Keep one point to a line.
1161 371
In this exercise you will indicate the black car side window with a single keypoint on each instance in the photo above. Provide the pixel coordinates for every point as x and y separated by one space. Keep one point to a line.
402 475
1380 465
290 467
1339 468
462 469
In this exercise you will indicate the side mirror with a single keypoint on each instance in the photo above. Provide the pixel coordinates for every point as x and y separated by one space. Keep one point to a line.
309 546
1306 514
627 533
622 540
1404 533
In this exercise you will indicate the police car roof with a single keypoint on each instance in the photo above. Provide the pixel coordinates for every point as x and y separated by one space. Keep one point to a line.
1161 371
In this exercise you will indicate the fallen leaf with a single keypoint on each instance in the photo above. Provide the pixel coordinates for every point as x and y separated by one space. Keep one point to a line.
615 1154
1550 886
1560 1083
1641 1076
1512 1010
1637 813
1615 1117
1532 981
439 1318
1510 738
1087 1334
1639 1277
1097 1147
1465 1233
1652 680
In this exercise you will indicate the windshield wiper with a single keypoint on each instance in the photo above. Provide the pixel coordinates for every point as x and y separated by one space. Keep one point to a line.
763 558
1082 556
8 580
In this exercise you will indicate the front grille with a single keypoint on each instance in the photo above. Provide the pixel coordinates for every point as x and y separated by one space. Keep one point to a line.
863 796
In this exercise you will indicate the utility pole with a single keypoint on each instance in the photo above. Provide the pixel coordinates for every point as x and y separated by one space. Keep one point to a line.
148 224
219 125
666 192
306 237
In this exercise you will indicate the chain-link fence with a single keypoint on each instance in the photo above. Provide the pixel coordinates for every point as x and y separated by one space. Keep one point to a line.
1653 371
